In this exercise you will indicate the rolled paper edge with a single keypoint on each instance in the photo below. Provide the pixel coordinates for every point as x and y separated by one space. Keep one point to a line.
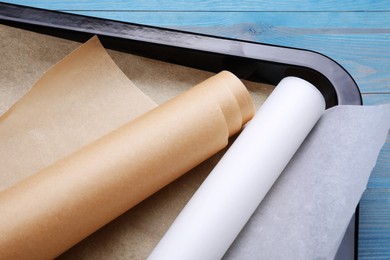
236 104
242 96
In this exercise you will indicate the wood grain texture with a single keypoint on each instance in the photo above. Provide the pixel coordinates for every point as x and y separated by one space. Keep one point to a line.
374 219
374 222
354 33
211 5
375 99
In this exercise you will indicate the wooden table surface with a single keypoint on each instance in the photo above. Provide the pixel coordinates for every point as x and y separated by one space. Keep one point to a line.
354 33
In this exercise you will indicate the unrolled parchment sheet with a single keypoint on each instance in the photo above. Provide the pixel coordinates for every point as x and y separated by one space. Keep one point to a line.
307 210
78 100
26 56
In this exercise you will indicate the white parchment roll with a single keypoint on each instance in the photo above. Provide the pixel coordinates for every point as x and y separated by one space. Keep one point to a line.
218 211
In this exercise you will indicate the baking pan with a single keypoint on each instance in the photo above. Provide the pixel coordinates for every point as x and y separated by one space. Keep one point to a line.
248 60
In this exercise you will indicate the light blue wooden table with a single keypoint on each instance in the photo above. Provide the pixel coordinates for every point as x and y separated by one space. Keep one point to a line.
354 33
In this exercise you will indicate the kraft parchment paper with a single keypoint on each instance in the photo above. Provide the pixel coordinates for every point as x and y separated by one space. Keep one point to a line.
135 233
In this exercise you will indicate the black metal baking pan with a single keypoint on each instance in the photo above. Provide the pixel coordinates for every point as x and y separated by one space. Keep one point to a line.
248 60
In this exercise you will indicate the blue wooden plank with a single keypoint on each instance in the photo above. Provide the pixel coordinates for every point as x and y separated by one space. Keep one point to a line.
211 5
374 219
375 99
320 22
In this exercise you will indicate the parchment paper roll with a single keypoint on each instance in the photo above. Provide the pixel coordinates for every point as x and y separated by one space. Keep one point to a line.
222 205
55 208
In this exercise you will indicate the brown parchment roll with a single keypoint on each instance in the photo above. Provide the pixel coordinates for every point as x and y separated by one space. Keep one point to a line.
62 204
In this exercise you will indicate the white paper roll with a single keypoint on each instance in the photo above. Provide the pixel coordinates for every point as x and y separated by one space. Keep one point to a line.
222 205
